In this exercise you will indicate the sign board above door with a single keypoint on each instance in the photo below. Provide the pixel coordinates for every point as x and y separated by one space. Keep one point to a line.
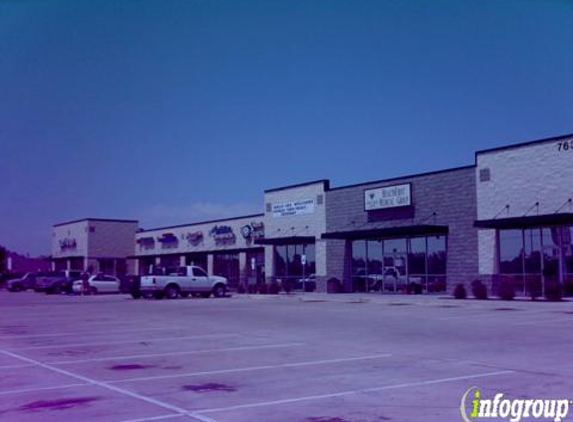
388 197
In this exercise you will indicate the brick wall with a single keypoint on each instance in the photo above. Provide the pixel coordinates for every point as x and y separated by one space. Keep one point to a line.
448 194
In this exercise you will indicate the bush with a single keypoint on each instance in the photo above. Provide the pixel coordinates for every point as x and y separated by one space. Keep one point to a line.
534 287
333 285
287 286
241 288
553 291
479 290
460 291
274 288
263 288
506 291
414 288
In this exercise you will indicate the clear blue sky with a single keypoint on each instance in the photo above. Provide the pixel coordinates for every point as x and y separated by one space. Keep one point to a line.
176 111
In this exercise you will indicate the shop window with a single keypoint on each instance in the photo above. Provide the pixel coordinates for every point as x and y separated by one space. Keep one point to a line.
511 252
227 265
436 254
417 256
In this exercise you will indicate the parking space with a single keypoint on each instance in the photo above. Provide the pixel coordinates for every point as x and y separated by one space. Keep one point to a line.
276 359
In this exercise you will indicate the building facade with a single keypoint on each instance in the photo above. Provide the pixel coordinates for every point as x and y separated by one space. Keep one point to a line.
225 247
508 216
525 213
93 245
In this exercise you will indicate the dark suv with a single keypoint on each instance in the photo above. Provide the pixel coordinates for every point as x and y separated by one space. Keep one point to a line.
57 281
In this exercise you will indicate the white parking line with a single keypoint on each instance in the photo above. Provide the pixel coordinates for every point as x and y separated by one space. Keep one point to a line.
55 346
21 365
154 418
351 392
190 352
176 409
253 368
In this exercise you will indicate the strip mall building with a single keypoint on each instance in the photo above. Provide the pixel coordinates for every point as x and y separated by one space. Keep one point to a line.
507 216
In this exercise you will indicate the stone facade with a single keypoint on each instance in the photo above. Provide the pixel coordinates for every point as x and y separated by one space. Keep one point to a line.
512 180
309 222
445 198
91 243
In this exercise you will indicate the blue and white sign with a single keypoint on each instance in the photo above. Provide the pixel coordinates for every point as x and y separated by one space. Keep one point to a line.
285 209
387 197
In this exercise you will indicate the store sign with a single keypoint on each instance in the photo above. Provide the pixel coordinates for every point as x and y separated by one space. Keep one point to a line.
67 244
223 235
285 209
387 197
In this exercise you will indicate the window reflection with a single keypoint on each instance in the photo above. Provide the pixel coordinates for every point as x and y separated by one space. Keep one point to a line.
403 264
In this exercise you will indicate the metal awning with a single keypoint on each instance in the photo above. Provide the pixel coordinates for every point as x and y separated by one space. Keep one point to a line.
289 240
528 221
400 231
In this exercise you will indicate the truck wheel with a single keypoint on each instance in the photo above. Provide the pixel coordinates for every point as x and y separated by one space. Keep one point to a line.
172 291
219 290
184 294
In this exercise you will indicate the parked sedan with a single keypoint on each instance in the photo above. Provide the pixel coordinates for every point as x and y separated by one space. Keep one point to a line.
98 284
27 281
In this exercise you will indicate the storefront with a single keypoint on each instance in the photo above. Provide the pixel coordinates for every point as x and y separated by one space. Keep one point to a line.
295 218
94 245
508 217
224 247
525 215
409 235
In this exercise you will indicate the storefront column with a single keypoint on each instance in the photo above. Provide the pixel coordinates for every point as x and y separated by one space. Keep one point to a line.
243 267
269 263
182 261
86 263
136 266
158 260
210 266
68 264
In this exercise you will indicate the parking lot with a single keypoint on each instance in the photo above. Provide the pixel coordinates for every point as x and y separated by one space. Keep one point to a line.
308 358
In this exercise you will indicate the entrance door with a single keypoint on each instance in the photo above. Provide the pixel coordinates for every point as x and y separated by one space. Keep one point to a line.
395 273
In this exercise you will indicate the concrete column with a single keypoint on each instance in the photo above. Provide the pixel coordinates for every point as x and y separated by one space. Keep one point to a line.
157 260
68 264
269 263
243 267
86 263
135 266
210 261
182 262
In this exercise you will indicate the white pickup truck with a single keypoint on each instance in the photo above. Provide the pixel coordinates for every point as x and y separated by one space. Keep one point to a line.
182 281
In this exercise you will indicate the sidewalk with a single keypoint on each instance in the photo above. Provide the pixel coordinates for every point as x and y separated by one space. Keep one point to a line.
439 300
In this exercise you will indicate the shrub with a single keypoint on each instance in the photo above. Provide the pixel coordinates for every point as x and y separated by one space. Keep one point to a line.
506 291
263 288
414 288
241 288
479 290
287 286
460 291
553 291
274 288
333 285
534 287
